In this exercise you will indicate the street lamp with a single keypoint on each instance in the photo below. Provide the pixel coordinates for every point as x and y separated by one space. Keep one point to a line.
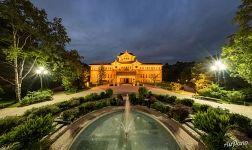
41 71
218 67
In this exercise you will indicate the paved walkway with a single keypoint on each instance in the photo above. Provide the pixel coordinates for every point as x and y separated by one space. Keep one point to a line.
58 97
240 109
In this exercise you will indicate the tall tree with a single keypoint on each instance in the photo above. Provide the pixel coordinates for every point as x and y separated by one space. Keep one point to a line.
72 70
28 38
237 54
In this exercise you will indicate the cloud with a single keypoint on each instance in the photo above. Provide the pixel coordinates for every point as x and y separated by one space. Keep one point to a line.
161 31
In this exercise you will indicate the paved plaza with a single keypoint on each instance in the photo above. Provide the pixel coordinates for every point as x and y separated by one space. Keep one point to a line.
61 96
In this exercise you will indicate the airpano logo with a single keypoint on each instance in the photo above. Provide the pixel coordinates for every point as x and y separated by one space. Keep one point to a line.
236 143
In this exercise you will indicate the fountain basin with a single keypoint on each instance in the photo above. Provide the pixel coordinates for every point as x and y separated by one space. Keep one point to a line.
106 133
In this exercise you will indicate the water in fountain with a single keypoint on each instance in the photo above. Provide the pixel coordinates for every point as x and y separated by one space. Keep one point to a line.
128 122
125 130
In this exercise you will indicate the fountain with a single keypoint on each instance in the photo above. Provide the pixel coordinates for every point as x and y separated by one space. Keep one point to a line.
125 130
126 125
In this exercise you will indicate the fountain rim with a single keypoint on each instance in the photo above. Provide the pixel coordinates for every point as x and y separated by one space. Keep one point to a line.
139 111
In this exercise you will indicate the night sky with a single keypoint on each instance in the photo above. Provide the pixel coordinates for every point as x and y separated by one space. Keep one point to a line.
154 30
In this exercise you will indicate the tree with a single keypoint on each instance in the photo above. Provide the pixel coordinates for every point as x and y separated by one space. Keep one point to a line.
201 81
72 71
181 71
101 74
237 54
28 39
202 76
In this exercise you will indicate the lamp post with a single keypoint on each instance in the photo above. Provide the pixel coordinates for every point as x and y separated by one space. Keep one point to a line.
218 67
41 71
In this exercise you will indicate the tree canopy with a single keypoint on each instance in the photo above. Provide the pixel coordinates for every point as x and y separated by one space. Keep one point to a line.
237 54
28 39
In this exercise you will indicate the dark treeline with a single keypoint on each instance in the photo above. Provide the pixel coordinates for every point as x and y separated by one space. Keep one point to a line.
178 72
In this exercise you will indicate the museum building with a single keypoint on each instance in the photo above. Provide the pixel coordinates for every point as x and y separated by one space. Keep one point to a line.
126 69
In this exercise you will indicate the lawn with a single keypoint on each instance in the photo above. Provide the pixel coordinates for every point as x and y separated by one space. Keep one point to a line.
7 103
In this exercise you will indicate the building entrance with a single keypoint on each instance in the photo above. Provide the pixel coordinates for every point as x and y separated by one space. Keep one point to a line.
125 80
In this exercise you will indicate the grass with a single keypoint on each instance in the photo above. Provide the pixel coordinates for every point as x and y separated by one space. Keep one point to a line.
7 103
14 105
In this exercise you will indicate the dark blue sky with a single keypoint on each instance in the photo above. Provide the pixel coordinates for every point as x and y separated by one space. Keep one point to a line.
154 30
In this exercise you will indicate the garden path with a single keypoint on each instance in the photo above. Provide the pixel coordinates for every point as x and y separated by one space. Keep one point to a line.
61 96
240 109
57 97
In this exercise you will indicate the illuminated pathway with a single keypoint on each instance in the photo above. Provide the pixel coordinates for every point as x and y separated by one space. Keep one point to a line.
240 109
58 97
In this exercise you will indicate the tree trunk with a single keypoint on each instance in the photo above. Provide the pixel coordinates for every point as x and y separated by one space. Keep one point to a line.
17 81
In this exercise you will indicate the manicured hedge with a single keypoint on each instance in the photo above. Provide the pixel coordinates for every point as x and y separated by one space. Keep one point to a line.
42 111
186 101
37 96
71 114
161 107
166 99
9 122
180 112
29 133
90 106
200 108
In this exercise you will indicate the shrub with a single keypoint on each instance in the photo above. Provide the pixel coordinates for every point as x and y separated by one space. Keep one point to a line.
234 96
42 111
200 108
116 102
180 112
241 122
212 90
90 106
7 123
143 92
37 96
248 94
102 95
196 107
204 107
171 99
133 99
92 97
166 98
176 86
186 102
103 103
74 102
152 99
161 107
70 115
215 122
86 107
29 133
63 105
119 96
109 92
